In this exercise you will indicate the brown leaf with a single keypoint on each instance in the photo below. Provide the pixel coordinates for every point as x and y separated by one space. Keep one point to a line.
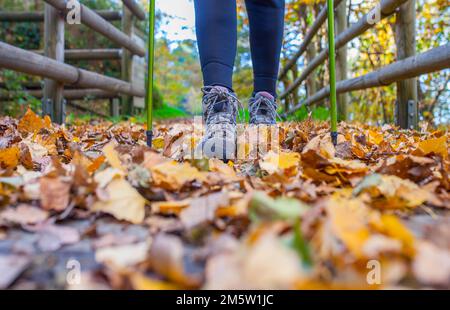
203 209
167 259
31 123
55 194
24 214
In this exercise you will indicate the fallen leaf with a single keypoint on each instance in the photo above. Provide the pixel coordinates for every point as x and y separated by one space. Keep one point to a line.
265 264
388 191
122 201
431 265
11 266
112 157
203 209
174 176
144 283
9 157
167 259
283 163
263 207
31 123
437 146
23 214
122 256
55 194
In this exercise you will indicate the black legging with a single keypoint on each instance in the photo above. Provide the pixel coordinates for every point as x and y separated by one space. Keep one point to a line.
216 24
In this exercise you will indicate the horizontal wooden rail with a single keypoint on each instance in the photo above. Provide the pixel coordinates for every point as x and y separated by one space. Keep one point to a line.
321 18
90 54
97 23
387 7
69 94
432 60
39 16
31 63
135 8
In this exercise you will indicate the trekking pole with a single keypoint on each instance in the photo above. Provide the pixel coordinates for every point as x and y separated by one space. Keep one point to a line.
332 64
150 63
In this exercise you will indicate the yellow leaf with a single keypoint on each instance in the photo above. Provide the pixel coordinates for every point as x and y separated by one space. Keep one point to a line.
391 226
158 143
437 146
141 282
172 175
112 157
348 218
123 202
170 207
375 137
283 162
9 158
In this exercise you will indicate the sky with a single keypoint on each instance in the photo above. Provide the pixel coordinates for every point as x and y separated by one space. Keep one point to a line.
181 27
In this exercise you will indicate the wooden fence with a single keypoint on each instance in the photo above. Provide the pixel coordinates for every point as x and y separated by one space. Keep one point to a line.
64 82
404 71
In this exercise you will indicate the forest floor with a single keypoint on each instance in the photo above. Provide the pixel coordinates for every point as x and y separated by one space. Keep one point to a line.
90 206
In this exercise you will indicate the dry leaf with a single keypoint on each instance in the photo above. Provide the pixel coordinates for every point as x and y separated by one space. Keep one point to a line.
9 157
174 176
11 266
122 256
283 163
122 201
24 215
55 194
112 156
31 123
437 146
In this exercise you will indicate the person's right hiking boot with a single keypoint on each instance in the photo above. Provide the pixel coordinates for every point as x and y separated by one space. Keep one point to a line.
220 108
262 108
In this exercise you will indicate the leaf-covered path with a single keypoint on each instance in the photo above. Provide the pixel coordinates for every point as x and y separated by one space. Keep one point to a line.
90 206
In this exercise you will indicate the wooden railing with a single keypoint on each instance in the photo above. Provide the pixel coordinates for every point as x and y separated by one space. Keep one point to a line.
66 82
404 71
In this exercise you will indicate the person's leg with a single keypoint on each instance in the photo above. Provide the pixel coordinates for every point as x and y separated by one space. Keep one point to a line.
266 19
216 27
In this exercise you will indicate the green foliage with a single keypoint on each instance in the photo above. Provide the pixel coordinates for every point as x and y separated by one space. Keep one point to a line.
317 113
20 99
167 112
301 246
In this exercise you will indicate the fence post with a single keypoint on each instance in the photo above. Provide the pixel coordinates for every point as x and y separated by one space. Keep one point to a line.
114 107
341 61
405 37
53 104
127 28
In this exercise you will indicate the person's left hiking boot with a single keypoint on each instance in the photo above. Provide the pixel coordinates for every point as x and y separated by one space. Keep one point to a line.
262 108
220 109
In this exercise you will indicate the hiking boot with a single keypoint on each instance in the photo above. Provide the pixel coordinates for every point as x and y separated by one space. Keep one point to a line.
262 108
220 108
